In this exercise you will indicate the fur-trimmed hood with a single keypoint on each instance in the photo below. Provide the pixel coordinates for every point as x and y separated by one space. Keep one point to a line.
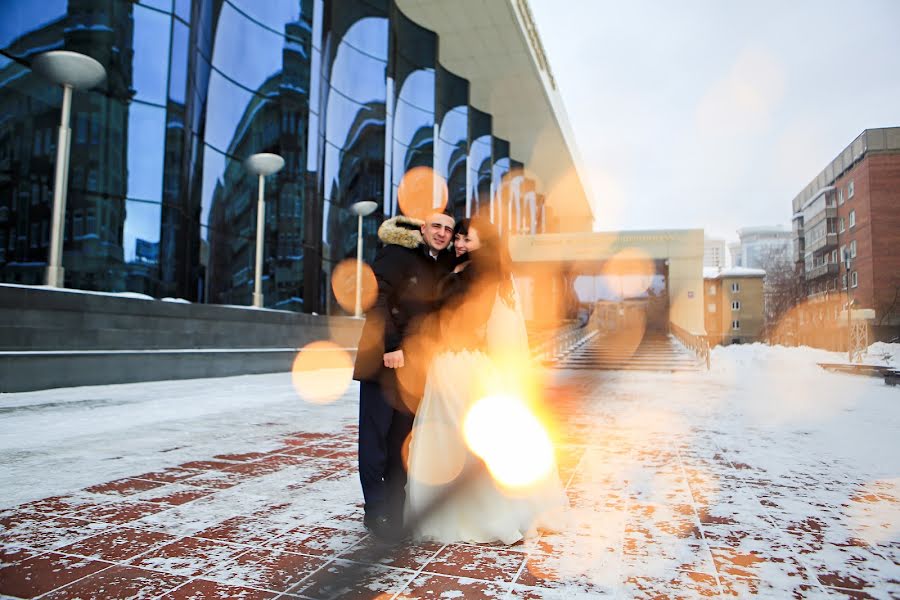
401 231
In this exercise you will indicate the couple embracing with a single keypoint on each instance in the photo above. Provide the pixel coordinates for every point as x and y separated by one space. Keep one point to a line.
446 311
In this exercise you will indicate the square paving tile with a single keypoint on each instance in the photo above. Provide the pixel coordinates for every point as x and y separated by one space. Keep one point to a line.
206 465
46 572
124 487
411 556
170 475
188 556
10 555
251 530
342 579
596 573
265 569
60 506
320 541
117 545
49 534
121 512
119 582
205 589
678 585
426 586
742 587
477 562
173 494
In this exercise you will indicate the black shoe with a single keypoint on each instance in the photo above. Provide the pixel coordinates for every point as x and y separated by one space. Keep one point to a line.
383 528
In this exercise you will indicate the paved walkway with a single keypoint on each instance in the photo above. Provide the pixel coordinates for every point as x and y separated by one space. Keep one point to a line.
677 492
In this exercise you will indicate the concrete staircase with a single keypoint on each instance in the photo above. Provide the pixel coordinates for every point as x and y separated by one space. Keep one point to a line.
654 352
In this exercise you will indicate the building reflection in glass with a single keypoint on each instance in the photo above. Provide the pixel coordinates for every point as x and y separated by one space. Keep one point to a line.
452 143
349 92
480 163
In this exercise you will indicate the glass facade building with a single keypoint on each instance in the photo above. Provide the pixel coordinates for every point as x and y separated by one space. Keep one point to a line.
350 92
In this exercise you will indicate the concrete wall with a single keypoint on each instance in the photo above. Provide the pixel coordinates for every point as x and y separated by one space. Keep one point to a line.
53 338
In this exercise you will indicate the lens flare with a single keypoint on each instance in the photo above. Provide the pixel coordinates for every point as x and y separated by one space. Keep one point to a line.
510 439
343 284
422 192
632 271
322 372
446 457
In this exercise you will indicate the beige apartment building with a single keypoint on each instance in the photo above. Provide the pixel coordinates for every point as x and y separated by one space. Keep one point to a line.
734 305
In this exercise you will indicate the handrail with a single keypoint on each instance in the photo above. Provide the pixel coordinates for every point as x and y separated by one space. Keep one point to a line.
562 342
696 343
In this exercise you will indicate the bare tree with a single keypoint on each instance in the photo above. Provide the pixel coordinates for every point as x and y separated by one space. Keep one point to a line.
784 289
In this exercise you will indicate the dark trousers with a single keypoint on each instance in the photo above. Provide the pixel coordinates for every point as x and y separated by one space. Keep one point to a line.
382 431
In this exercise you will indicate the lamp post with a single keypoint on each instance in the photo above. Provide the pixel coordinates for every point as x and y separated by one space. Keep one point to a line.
72 71
262 164
361 209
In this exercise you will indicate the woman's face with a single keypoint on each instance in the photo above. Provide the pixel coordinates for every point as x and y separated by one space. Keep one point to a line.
466 242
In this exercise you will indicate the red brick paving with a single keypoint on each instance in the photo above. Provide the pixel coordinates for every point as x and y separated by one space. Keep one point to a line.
656 519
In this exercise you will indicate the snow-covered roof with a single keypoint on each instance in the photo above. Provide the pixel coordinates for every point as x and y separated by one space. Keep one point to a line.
715 273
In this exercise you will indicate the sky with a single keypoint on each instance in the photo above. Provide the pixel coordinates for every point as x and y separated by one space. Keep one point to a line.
716 113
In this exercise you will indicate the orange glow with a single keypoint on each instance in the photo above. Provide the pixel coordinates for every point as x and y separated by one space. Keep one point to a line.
422 192
633 271
510 439
343 284
321 372
442 468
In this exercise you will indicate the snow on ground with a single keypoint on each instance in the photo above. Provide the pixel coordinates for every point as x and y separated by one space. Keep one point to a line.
766 476
56 441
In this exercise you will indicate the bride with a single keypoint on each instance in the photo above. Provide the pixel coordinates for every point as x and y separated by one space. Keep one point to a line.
481 326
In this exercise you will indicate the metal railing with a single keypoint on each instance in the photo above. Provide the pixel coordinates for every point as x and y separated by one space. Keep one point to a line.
698 344
563 341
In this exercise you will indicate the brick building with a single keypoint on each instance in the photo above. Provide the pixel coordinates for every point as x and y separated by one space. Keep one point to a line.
734 305
851 210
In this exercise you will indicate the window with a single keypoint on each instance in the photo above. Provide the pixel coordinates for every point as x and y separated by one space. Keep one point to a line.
735 324
840 195
841 228
712 290
854 280
843 253
852 218
844 281
735 287
834 256
853 249
735 305
850 189
711 308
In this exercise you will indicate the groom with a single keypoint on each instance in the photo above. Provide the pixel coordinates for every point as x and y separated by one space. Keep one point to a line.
408 269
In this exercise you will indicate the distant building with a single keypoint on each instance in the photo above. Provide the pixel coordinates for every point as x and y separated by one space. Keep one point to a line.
734 250
760 247
851 209
734 305
713 253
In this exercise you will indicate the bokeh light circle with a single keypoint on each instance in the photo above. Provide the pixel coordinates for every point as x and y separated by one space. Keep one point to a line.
422 192
321 372
439 446
343 284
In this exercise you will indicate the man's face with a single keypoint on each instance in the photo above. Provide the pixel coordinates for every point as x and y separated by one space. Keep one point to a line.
437 231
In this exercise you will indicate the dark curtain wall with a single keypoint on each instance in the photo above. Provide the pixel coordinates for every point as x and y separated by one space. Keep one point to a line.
349 92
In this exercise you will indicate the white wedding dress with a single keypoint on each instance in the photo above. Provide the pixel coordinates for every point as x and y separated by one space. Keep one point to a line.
483 511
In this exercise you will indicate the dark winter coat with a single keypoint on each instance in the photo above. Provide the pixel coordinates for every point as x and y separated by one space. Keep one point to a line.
408 280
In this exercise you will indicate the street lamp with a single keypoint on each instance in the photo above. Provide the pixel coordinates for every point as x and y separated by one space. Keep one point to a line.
262 164
361 209
72 71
